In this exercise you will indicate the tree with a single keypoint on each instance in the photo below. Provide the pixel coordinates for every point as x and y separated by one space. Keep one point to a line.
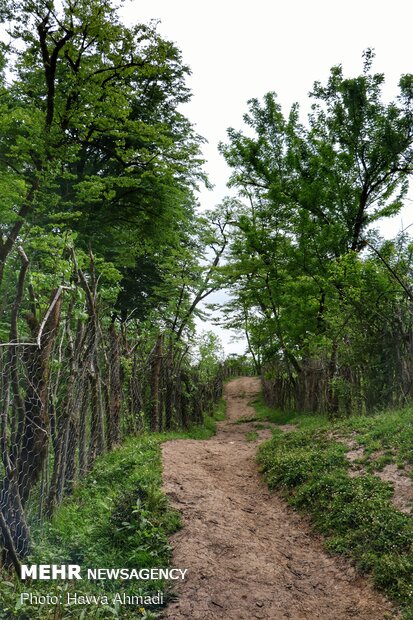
91 136
311 194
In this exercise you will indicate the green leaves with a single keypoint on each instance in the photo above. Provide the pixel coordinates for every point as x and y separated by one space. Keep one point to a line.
94 148
306 293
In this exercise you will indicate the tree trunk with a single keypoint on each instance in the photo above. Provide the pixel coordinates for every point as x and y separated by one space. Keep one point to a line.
115 390
36 421
155 384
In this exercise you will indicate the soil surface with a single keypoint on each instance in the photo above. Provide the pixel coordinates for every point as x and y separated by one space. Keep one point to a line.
247 553
402 486
400 479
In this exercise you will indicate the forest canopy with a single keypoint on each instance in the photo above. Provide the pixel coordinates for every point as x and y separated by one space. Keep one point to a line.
93 144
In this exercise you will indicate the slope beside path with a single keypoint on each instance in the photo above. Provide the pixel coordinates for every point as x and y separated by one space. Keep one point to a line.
247 553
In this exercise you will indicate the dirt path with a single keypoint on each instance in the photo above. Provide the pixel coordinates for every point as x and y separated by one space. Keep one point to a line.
248 554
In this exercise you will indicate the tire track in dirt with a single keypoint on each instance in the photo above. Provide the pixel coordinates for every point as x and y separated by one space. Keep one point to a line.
247 553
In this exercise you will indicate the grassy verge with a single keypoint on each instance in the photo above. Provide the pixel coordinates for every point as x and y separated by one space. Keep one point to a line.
355 514
117 517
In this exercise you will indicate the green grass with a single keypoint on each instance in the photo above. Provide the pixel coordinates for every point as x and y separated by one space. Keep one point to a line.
355 515
276 416
220 411
390 432
117 517
246 420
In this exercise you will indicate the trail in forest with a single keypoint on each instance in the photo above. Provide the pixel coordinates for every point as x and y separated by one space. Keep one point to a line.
247 553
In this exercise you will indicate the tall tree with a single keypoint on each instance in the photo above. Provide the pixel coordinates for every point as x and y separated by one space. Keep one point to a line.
91 134
311 193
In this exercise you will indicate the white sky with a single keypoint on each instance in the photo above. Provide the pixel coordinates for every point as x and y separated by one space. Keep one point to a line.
239 50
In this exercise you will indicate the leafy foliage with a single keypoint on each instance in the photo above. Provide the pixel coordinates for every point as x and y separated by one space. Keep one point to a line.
324 301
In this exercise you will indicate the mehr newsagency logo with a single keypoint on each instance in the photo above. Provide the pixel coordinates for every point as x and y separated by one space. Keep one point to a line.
74 571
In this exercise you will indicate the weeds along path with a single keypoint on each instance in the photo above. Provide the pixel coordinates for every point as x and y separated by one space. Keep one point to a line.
247 553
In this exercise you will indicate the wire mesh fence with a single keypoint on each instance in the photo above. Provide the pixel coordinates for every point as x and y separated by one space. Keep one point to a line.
73 386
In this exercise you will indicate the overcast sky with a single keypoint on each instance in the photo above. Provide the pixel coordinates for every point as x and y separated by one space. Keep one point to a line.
239 50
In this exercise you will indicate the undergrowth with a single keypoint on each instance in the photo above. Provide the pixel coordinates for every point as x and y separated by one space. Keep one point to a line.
355 514
117 517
